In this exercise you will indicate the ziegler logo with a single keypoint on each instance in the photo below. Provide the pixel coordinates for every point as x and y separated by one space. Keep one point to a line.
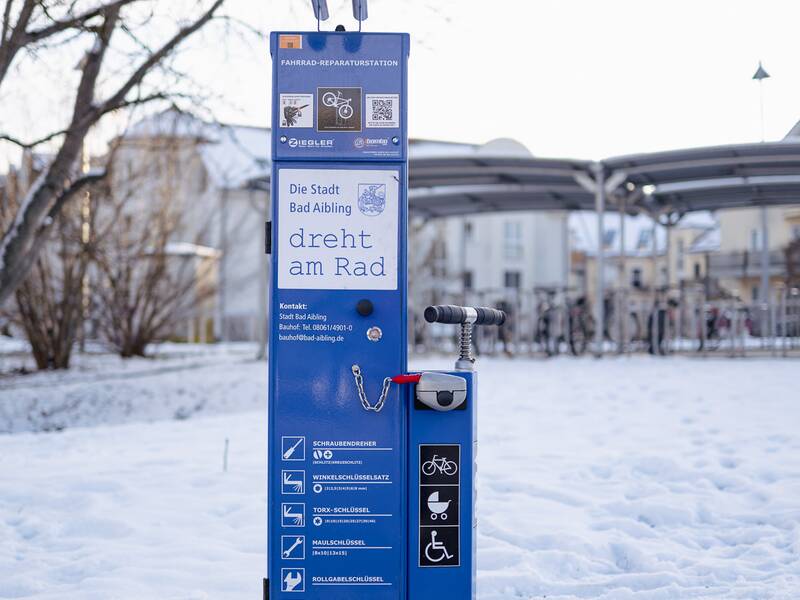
303 143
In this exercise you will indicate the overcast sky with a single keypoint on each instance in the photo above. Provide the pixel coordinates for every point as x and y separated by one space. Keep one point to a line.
583 78
578 78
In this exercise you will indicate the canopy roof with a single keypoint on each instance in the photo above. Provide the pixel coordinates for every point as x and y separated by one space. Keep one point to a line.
440 187
448 179
676 181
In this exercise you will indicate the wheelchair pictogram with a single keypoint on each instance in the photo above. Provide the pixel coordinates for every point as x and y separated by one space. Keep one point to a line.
436 551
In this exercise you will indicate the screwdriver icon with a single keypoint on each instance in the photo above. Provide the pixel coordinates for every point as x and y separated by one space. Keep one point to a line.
291 450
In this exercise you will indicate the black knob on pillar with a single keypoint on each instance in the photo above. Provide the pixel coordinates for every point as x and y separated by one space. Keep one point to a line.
364 307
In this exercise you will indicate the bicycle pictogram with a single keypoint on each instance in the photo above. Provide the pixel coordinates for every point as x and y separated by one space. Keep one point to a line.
342 105
441 465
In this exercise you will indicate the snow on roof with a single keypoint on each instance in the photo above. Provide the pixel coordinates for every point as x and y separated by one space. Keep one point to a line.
708 241
701 219
237 154
232 154
168 123
419 148
638 234
189 249
794 132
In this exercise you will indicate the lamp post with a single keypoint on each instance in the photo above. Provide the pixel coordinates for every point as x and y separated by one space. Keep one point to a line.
760 75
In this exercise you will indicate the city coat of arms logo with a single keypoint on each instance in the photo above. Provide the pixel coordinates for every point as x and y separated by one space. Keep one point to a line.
371 198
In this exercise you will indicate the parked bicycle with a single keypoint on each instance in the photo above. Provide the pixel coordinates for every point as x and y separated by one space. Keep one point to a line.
581 325
558 324
621 322
549 324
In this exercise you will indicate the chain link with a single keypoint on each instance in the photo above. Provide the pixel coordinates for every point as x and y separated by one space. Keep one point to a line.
362 395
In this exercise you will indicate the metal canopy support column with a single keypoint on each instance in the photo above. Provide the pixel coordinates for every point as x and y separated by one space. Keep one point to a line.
600 208
654 309
764 291
622 300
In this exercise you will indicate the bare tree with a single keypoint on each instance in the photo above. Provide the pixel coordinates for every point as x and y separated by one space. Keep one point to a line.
41 26
49 301
152 271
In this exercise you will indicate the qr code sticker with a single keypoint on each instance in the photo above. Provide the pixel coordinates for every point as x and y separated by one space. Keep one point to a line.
383 110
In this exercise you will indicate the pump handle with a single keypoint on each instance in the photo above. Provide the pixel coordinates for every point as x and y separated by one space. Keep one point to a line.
464 314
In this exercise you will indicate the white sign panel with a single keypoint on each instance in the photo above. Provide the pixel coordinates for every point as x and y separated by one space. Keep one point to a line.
338 229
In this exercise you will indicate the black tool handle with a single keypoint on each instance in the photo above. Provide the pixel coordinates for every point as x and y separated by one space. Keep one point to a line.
464 314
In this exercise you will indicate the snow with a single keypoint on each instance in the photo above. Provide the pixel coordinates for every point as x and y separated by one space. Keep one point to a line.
105 389
626 478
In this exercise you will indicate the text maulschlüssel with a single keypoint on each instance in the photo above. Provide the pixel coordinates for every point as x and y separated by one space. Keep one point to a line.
330 240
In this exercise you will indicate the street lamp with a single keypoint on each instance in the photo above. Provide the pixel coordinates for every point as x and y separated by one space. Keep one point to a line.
760 75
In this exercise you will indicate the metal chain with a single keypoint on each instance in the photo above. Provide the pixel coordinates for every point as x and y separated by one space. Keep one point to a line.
362 395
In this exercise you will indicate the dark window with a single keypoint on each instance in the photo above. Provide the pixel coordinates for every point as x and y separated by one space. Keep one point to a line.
636 278
697 270
467 230
512 279
467 280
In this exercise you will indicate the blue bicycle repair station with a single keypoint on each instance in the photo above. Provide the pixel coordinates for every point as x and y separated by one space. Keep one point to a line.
370 468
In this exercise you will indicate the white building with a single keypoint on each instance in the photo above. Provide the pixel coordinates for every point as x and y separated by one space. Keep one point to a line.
489 255
210 171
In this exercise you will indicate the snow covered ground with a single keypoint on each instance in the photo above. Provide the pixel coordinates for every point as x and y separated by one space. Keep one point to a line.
619 479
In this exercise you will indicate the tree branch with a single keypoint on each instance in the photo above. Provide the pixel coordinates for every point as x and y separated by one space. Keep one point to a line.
11 45
139 100
118 98
6 21
34 143
20 242
19 247
40 237
74 22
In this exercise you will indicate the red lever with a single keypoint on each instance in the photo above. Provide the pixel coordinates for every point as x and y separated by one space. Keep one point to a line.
409 378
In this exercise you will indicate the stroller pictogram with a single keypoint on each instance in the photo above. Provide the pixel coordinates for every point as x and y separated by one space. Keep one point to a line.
437 507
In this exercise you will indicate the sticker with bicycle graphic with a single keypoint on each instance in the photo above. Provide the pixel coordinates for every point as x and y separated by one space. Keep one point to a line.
339 109
439 494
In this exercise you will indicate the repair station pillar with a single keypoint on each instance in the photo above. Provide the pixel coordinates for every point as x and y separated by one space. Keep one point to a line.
337 514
